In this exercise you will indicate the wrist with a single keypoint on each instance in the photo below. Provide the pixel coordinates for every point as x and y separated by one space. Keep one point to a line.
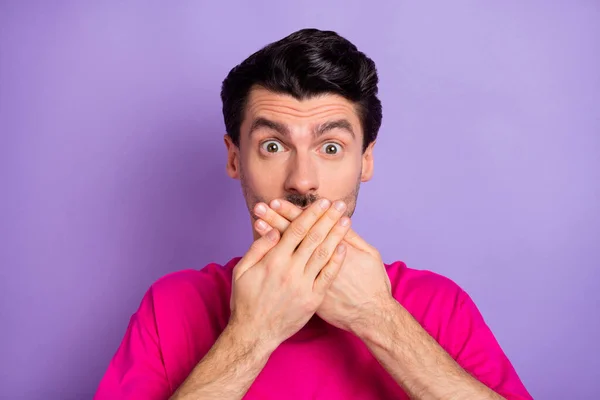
249 340
376 319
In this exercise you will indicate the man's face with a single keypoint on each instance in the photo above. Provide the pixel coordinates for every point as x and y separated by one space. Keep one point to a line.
299 150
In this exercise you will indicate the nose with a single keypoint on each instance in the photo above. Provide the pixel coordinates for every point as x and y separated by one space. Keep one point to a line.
302 177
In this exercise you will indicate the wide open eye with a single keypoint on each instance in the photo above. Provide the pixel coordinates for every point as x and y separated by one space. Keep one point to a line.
272 146
331 148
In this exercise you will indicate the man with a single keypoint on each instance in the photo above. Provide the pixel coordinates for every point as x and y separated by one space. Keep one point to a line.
310 311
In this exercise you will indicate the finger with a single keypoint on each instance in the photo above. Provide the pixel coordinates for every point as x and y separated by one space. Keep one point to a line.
356 241
262 227
285 209
323 253
290 212
300 227
271 217
320 231
328 274
257 251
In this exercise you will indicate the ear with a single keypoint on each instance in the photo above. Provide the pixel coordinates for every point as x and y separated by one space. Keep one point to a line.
233 158
367 163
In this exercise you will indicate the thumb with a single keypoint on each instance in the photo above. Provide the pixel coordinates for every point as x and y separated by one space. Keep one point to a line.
257 251
353 239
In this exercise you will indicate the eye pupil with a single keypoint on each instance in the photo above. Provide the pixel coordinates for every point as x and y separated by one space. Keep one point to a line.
272 147
331 149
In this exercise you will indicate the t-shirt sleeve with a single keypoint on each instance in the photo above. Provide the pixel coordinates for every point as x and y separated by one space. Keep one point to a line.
137 370
477 351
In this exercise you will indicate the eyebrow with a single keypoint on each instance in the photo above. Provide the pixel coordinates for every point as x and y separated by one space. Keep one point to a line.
282 129
260 123
342 124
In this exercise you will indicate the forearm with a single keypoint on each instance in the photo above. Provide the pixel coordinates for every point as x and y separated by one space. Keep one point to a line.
415 360
228 369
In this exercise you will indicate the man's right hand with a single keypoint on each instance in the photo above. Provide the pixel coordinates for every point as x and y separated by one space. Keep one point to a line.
281 281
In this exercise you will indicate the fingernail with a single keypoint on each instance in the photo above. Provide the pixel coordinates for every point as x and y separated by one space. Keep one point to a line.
272 234
324 204
275 204
345 221
341 248
260 210
340 205
261 225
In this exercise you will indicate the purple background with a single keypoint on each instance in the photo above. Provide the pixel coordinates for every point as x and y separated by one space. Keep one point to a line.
113 168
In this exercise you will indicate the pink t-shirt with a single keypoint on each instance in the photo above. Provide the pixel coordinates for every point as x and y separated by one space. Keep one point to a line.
182 315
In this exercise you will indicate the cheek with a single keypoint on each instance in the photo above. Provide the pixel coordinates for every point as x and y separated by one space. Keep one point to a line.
262 177
336 181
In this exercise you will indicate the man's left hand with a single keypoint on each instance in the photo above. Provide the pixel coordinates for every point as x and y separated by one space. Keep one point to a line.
362 289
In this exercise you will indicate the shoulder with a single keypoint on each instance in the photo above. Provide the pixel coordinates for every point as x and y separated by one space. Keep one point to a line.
213 277
451 317
190 302
409 282
190 293
433 299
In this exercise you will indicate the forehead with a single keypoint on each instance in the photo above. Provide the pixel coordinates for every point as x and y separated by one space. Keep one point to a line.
285 109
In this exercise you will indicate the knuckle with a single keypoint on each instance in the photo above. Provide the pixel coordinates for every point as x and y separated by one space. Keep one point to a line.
333 214
314 236
314 211
298 230
272 218
340 230
269 217
286 213
323 253
326 276
284 279
269 262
